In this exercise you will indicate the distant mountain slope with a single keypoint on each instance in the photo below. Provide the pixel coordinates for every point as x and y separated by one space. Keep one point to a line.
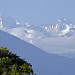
57 38
69 55
43 63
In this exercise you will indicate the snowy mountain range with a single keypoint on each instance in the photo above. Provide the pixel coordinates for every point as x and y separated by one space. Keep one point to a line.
61 28
57 38
43 63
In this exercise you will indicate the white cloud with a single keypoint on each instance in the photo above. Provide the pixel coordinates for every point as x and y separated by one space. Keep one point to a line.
59 20
57 45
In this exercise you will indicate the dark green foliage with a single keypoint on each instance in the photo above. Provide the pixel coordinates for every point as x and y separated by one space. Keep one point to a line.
11 64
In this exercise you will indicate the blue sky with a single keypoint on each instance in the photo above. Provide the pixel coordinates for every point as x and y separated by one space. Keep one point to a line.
38 11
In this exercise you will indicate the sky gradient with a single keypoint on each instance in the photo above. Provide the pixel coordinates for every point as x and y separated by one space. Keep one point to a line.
38 11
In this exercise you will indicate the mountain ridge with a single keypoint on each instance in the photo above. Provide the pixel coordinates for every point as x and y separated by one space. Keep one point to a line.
43 63
61 27
45 36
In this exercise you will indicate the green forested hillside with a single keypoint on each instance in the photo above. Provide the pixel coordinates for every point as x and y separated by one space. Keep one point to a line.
11 64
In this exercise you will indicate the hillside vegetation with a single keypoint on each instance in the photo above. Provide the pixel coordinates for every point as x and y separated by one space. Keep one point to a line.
11 64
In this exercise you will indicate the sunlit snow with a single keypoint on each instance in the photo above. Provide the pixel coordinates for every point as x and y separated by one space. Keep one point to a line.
50 38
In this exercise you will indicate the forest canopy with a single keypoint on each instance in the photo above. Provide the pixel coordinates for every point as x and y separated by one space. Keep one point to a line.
11 64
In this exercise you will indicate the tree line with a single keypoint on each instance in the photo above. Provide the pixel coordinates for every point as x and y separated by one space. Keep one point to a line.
11 64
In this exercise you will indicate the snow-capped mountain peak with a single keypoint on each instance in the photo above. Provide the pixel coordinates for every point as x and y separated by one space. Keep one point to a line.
61 28
41 34
1 24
